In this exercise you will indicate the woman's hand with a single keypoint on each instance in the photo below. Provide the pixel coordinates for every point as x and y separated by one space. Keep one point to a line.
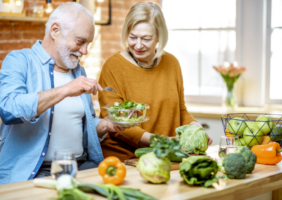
210 141
195 123
199 125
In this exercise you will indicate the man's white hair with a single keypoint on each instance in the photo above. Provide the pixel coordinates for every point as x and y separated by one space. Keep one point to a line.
66 15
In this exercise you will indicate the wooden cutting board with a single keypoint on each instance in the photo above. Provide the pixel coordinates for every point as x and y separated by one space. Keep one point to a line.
133 162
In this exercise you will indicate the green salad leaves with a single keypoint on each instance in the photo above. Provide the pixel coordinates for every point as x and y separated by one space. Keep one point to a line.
129 105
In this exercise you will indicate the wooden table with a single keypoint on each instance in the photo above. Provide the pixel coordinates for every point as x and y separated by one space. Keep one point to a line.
263 179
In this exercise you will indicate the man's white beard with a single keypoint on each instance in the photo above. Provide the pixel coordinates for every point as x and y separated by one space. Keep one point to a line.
65 55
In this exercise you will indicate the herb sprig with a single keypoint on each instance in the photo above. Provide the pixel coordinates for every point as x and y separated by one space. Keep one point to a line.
163 146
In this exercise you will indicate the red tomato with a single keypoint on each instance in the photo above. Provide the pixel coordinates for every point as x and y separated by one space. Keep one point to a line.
121 112
139 113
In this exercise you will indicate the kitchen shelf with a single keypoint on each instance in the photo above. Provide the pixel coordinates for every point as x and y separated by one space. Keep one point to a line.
39 19
21 17
25 18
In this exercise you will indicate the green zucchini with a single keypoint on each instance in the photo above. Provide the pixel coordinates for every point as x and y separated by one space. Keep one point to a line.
177 156
139 152
174 157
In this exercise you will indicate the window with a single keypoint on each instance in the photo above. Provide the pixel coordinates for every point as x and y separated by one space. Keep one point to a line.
274 50
202 34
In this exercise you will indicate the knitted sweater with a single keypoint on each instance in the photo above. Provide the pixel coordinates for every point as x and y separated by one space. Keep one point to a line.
161 88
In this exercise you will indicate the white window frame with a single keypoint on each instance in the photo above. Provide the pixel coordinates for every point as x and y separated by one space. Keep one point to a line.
268 56
253 19
207 99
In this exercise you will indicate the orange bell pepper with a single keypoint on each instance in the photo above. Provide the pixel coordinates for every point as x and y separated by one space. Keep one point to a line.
266 140
112 170
268 154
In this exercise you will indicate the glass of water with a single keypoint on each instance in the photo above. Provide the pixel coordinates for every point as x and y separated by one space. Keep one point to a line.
228 144
64 162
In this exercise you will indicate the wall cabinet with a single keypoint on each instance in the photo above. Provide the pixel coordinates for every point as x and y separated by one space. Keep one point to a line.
213 127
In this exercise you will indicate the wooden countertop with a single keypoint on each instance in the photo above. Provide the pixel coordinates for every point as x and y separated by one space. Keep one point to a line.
263 179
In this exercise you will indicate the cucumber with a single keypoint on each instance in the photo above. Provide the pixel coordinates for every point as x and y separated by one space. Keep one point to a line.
139 152
177 156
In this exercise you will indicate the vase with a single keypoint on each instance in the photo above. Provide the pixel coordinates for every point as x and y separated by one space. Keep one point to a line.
229 100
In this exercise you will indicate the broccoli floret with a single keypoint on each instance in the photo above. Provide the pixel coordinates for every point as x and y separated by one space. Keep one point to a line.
220 166
235 166
250 157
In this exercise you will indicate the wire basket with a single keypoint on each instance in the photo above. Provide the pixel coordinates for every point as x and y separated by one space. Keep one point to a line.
253 128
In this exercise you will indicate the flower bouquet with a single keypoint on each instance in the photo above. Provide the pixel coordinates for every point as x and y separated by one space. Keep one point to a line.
230 74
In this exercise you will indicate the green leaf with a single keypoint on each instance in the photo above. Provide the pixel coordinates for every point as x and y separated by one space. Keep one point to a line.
199 170
115 192
163 146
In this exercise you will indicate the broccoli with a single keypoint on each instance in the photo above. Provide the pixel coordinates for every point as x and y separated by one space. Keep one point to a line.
235 166
220 166
250 157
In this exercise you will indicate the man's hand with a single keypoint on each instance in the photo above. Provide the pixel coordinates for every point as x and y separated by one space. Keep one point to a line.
105 127
113 128
82 85
78 86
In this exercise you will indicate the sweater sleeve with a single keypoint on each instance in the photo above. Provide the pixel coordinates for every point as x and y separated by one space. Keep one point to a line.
113 78
185 116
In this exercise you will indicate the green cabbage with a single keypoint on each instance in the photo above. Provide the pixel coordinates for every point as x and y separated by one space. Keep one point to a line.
154 169
193 139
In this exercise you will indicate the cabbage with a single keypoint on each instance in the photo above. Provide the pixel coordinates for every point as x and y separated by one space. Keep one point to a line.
154 169
193 139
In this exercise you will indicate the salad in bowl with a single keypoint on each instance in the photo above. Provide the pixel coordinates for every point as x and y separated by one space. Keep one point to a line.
127 114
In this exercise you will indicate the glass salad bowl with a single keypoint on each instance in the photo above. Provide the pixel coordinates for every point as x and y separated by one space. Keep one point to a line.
127 114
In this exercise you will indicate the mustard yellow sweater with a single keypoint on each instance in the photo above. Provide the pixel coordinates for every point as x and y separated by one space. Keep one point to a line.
161 88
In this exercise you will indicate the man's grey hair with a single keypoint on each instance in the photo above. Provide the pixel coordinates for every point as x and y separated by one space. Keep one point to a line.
66 15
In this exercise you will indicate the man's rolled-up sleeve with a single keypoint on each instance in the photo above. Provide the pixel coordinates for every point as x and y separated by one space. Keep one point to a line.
16 104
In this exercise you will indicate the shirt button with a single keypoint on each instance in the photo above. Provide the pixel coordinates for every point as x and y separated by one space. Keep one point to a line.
43 154
33 173
51 73
50 133
52 112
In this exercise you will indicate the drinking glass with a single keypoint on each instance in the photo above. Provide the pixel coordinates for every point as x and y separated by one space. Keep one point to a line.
228 144
64 162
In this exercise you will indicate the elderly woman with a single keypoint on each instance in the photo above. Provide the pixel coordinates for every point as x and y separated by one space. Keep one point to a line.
144 73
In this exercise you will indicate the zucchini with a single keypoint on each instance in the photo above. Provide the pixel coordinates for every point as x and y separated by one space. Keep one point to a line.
174 157
139 152
177 156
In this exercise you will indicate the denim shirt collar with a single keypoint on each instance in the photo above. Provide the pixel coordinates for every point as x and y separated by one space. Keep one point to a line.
45 57
40 52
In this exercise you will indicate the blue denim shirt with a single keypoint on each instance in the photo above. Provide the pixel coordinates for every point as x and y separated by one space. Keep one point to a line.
25 138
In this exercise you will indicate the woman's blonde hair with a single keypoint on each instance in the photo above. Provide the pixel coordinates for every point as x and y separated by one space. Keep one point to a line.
150 13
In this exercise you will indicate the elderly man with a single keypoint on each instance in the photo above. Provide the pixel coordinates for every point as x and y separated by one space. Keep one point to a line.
45 102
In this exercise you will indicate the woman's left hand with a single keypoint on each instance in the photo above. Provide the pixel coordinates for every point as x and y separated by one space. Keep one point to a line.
199 125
